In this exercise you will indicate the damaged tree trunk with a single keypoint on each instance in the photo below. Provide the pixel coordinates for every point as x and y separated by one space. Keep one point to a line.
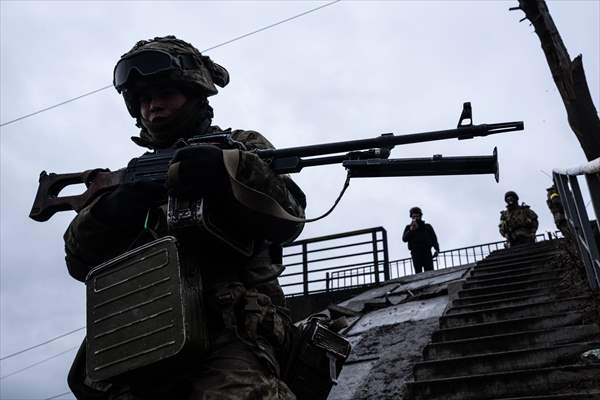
568 76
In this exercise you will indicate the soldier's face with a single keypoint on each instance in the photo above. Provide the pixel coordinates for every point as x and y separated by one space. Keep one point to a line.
160 103
416 217
510 200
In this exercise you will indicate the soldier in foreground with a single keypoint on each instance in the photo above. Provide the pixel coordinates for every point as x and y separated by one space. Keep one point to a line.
518 223
165 83
420 237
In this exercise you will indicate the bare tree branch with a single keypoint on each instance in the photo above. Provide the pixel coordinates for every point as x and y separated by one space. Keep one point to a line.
569 77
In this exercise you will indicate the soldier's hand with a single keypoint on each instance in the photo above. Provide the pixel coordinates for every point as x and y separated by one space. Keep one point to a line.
198 171
129 203
435 254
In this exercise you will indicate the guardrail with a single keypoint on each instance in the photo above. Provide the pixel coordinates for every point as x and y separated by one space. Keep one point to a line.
355 277
365 248
575 210
360 258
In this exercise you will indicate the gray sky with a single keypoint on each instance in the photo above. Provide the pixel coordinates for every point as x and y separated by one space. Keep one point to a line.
352 70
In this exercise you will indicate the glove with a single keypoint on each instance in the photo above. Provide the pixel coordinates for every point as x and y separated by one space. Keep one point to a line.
435 254
129 203
198 171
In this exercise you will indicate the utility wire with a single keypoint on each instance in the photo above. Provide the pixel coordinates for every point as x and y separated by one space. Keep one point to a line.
203 51
55 105
273 25
57 396
39 362
43 343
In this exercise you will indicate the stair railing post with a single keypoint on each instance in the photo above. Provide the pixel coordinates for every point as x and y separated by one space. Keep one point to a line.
589 242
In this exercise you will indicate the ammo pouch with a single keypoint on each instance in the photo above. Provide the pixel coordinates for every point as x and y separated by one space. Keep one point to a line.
316 360
145 315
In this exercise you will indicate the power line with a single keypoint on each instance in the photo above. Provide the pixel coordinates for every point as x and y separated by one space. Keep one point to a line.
272 25
57 396
43 343
203 51
55 105
38 362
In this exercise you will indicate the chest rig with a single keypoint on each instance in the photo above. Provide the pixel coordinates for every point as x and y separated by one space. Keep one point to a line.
145 308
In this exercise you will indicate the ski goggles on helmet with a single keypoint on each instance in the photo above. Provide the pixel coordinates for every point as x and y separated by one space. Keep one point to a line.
149 62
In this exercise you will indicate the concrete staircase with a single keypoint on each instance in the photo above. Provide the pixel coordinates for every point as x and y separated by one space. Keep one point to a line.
515 331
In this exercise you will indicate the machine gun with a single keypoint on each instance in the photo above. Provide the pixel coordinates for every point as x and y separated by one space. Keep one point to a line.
152 295
362 158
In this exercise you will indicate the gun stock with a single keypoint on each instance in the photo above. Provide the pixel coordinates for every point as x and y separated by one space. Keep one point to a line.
47 201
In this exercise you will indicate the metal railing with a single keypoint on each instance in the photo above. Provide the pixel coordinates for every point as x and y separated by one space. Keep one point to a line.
354 277
365 248
360 258
575 210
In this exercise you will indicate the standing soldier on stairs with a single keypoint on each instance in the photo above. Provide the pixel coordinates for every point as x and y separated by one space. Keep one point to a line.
518 223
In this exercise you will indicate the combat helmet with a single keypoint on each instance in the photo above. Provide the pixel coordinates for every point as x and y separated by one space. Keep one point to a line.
170 60
511 193
415 210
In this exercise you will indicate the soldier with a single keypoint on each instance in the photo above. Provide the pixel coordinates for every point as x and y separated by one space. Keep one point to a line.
518 223
557 210
421 238
165 83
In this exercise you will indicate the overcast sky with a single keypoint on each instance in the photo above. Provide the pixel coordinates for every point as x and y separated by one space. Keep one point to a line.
348 71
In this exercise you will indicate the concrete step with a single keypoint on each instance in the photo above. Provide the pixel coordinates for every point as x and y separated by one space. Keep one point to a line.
512 312
511 341
534 284
485 265
503 254
498 272
510 326
592 395
525 258
473 283
542 381
539 247
539 357
503 295
505 302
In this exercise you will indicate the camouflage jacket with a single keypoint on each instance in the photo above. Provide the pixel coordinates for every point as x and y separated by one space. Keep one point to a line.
519 221
89 241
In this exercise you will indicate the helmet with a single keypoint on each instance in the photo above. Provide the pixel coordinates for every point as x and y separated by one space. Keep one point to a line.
169 60
511 193
415 210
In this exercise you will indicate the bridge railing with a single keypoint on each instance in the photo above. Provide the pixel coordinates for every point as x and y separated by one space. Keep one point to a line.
580 225
310 263
360 258
353 277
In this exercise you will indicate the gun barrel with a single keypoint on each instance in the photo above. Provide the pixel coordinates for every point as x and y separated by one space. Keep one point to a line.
389 140
436 165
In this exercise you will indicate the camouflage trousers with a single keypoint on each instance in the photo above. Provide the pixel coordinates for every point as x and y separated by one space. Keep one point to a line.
231 372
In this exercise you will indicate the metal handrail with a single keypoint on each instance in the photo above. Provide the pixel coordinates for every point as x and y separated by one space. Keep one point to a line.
457 257
372 253
579 223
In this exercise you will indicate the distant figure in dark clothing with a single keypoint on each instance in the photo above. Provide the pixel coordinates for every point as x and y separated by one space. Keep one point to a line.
421 238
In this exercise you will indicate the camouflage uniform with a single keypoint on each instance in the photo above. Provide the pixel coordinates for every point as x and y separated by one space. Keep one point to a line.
557 210
244 365
518 223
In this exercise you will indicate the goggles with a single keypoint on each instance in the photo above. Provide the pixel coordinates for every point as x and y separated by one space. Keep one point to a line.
150 62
